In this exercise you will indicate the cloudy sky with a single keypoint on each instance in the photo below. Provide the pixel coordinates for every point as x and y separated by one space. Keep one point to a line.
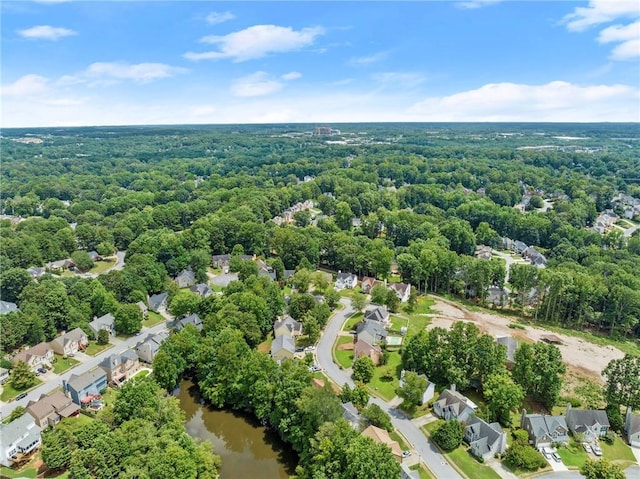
72 63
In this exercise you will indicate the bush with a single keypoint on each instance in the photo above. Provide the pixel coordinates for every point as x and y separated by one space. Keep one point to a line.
610 437
574 401
524 457
615 417
448 435
520 436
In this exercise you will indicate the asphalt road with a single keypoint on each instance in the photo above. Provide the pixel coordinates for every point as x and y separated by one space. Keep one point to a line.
88 363
427 451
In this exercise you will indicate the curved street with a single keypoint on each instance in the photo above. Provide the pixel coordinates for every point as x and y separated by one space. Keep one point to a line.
429 454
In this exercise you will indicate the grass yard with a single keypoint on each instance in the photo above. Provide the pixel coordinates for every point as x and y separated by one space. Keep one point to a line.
398 438
350 323
618 452
93 349
141 374
424 473
382 386
265 346
574 455
343 357
469 466
100 267
8 393
28 472
62 364
152 319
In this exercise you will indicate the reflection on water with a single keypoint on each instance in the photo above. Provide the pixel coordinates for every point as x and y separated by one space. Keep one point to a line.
248 449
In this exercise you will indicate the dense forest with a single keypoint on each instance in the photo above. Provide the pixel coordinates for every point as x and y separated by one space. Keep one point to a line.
419 197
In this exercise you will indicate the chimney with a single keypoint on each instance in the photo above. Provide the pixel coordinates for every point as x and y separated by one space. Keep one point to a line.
453 388
64 386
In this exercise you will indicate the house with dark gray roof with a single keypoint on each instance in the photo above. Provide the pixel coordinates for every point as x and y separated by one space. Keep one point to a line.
106 322
186 278
632 428
193 319
158 301
484 439
591 423
371 332
287 325
402 290
201 289
544 430
379 314
283 347
18 439
453 405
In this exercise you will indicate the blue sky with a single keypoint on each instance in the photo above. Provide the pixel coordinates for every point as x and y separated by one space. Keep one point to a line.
73 63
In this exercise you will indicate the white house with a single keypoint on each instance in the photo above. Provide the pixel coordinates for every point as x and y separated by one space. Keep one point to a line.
485 440
19 438
346 280
453 405
632 428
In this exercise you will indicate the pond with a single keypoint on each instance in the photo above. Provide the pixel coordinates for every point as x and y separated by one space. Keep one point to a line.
247 448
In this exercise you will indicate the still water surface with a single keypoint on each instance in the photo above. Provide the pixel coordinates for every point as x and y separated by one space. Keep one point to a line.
248 450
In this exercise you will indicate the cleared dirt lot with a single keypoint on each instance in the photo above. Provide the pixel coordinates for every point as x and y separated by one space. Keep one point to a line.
579 354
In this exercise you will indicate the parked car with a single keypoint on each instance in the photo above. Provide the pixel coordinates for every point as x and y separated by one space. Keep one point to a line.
546 453
21 396
587 447
556 457
299 350
406 453
315 368
310 348
596 450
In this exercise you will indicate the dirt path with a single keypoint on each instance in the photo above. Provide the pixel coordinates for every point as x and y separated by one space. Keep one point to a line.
579 354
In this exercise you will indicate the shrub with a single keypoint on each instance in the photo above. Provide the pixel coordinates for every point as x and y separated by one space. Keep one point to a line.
524 457
615 417
520 436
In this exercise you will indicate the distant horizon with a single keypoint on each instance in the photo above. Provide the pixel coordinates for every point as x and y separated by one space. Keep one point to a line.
69 63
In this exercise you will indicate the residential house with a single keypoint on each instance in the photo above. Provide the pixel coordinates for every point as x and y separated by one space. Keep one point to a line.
544 430
144 309
382 437
40 355
94 256
120 367
158 301
519 247
7 307
49 410
346 280
429 390
362 348
402 290
288 326
370 332
288 273
36 272
18 439
106 322
265 270
453 405
193 319
485 440
632 428
283 347
60 265
367 284
510 344
70 343
4 375
85 387
591 423
536 258
186 278
379 314
147 349
507 243
483 252
221 261
201 289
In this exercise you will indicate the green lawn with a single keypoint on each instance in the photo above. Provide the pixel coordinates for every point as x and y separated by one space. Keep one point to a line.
28 472
8 393
141 374
574 455
153 318
618 452
100 267
94 348
424 474
62 364
343 357
398 438
350 323
265 346
383 387
469 466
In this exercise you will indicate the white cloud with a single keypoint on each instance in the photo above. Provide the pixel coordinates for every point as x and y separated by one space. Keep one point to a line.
139 72
256 42
291 76
368 59
629 38
601 11
219 17
555 101
46 32
473 4
27 85
256 84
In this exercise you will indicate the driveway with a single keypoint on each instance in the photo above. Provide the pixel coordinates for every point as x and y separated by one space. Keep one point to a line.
426 450
88 363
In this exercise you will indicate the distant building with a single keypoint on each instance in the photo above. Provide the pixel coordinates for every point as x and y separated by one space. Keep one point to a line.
158 301
193 319
106 322
147 349
186 278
